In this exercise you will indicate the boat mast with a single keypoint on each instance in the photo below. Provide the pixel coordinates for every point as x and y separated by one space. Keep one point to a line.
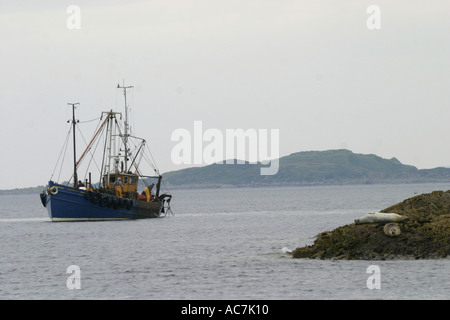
125 140
75 177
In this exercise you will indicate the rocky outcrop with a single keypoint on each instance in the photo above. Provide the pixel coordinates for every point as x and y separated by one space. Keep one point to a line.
425 235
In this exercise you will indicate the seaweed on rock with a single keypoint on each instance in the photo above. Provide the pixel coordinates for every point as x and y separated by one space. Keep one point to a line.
425 236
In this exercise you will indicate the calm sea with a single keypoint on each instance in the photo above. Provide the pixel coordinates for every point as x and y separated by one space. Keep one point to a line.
220 244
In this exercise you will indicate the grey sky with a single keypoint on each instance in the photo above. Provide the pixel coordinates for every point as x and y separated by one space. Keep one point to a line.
311 69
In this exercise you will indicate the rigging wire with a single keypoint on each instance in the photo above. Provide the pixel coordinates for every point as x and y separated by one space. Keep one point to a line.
153 164
92 153
92 156
89 120
64 148
64 156
162 180
151 160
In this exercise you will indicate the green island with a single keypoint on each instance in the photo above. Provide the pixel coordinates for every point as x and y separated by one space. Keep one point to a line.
331 167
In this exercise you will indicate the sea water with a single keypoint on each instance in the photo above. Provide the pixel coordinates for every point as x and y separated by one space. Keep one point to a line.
224 243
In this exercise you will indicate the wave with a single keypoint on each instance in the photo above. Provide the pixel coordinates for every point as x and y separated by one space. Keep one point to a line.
24 219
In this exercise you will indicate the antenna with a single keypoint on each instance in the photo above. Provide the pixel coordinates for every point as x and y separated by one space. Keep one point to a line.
125 140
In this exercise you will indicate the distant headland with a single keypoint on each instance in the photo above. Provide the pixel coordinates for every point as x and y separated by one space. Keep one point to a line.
330 167
29 190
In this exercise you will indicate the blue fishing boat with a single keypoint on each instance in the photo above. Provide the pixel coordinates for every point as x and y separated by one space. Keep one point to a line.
115 196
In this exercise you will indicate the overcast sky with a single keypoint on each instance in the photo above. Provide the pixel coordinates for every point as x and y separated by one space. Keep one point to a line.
311 69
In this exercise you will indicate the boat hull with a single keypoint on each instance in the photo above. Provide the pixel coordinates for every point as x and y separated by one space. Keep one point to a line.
66 203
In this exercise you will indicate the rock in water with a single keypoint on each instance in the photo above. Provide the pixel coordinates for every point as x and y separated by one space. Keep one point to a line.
425 235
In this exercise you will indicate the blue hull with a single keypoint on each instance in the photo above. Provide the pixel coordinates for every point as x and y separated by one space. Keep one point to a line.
66 203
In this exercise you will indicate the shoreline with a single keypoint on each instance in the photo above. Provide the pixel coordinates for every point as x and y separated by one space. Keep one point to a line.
38 189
